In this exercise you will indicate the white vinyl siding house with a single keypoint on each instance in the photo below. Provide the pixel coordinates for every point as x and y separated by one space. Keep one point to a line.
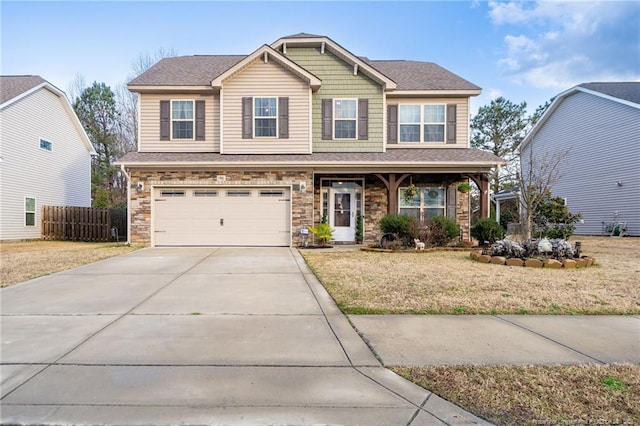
33 173
602 136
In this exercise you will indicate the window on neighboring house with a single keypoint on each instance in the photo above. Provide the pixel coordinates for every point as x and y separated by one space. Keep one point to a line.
29 211
345 118
46 145
265 117
428 202
421 123
182 119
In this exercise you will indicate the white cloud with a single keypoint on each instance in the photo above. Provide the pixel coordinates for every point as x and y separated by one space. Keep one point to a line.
559 44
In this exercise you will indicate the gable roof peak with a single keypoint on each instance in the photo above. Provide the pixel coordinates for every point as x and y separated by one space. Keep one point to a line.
12 86
304 35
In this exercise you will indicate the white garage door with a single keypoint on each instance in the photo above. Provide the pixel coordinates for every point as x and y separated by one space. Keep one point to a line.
238 216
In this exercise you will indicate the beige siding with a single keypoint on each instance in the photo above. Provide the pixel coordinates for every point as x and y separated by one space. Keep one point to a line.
58 177
338 81
462 121
267 80
150 124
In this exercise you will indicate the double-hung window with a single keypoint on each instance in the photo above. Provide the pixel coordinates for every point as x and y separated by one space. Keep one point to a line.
266 117
421 123
427 202
182 118
433 123
29 211
345 118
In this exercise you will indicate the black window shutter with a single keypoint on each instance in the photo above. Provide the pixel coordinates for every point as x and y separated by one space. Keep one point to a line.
247 118
452 202
283 118
451 123
200 111
392 124
165 121
327 119
363 119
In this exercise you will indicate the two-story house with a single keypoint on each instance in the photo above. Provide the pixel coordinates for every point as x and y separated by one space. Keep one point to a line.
250 149
45 155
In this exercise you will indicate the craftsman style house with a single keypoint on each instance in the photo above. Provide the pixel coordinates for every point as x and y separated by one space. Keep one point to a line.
249 150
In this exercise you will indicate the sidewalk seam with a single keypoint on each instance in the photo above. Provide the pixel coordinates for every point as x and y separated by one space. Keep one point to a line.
548 338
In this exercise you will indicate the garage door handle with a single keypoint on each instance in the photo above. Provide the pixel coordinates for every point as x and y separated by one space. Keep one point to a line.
221 222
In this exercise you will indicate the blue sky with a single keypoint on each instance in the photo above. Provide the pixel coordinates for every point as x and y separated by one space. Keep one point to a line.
524 51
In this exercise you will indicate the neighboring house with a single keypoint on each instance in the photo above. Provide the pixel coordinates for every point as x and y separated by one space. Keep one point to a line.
45 155
250 149
598 126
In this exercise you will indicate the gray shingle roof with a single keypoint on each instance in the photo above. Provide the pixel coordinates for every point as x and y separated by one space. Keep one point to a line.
628 91
15 85
416 75
428 157
196 70
200 70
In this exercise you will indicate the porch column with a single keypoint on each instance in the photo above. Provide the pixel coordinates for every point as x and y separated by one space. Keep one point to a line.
392 184
482 180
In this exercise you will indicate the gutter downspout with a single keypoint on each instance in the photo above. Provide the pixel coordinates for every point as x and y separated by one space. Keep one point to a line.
128 176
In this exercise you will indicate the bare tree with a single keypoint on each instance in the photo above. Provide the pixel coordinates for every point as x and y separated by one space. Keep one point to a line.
128 101
539 172
76 87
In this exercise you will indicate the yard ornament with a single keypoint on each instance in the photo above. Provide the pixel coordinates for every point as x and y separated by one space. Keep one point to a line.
544 246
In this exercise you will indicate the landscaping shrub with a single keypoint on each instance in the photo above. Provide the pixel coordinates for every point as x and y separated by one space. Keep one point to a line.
323 233
552 218
442 230
487 231
406 227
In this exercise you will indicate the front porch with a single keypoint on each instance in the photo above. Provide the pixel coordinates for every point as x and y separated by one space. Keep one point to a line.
340 199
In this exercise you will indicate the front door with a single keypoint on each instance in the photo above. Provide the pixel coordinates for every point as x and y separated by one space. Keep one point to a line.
342 213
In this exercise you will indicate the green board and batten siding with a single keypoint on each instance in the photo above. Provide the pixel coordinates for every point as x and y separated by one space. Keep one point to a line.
338 81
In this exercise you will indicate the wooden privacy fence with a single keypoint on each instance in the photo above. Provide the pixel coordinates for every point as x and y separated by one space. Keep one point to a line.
83 223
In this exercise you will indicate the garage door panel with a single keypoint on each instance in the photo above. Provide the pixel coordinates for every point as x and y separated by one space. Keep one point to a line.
222 216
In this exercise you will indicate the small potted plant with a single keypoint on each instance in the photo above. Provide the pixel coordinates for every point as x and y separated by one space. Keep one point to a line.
464 187
359 229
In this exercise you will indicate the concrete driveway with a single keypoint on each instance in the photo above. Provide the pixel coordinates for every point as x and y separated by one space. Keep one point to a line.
196 336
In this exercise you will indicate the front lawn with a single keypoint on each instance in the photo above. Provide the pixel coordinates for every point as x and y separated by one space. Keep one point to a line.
538 395
24 260
451 283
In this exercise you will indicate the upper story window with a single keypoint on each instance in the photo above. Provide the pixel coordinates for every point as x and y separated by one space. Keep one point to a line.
266 117
345 118
46 145
182 119
421 123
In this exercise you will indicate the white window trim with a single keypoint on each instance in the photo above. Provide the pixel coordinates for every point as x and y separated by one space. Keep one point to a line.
193 120
423 206
255 117
35 211
423 123
40 140
419 123
333 123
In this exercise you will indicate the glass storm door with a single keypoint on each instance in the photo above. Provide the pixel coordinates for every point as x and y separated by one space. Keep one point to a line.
342 214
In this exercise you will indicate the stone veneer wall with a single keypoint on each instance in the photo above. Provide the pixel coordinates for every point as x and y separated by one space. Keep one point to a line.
140 207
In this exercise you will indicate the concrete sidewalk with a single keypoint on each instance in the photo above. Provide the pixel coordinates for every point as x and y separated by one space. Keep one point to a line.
503 339
196 336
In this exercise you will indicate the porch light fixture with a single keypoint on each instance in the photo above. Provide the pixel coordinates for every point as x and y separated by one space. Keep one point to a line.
140 187
303 187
